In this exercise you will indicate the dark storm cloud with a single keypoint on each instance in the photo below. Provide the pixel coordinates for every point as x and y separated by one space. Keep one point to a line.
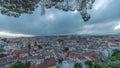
109 13
59 22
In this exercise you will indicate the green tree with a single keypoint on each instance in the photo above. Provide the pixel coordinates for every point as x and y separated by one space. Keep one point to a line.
115 56
108 65
115 64
118 56
28 64
97 65
60 61
115 52
4 39
2 55
78 65
18 64
89 63
29 47
112 58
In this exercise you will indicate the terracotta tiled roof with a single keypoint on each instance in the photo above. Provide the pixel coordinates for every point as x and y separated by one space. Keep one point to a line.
81 57
10 66
33 65
40 65
90 58
31 57
5 59
50 61
87 53
112 42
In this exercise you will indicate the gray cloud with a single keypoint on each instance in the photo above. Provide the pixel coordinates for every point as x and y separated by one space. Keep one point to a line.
58 22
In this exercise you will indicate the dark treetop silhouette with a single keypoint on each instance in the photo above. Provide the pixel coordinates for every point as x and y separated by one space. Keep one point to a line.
17 7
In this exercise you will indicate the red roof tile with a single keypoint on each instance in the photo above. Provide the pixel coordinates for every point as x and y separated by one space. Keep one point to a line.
33 65
50 61
10 66
40 65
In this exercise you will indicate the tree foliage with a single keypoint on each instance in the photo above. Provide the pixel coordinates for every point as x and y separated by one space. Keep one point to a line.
4 39
17 7
78 65
92 64
115 56
112 62
115 64
18 64
60 61
115 52
2 55
89 63
29 47
28 64
96 65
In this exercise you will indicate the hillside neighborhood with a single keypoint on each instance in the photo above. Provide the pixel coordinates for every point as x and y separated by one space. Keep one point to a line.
57 51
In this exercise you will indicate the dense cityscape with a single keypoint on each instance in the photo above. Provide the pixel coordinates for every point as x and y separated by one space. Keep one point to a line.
59 34
57 51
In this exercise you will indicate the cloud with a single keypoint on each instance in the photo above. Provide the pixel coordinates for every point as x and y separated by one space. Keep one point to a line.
117 27
75 11
101 4
101 28
8 34
104 20
50 16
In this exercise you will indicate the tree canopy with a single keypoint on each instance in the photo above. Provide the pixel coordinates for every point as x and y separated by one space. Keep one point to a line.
17 7
78 65
18 64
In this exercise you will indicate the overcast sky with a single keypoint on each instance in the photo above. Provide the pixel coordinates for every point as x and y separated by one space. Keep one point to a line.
105 19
